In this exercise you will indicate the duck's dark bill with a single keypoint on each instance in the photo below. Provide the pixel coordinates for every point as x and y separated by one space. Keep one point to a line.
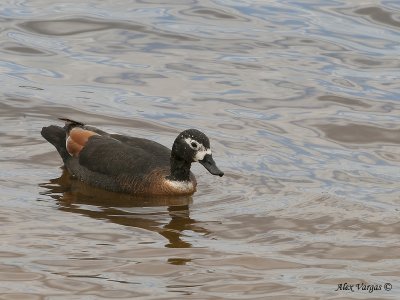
209 163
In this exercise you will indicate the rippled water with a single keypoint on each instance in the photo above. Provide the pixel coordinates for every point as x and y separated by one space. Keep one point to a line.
300 100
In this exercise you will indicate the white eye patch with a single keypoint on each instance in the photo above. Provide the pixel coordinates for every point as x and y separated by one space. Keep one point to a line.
201 150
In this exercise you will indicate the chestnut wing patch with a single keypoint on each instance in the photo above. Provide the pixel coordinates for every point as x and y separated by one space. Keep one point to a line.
77 139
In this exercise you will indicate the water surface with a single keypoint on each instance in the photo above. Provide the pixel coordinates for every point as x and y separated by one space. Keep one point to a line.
300 100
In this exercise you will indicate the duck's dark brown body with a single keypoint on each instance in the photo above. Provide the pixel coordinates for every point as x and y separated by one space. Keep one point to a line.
117 163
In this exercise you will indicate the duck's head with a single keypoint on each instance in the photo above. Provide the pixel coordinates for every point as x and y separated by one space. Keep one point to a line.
192 145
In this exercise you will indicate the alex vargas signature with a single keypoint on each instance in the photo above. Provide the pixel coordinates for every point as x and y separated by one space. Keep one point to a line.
363 287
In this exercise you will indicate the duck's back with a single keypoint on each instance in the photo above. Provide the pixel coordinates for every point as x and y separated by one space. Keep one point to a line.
116 155
122 164
144 144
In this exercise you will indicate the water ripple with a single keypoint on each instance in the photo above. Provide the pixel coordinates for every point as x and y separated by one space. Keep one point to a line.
301 104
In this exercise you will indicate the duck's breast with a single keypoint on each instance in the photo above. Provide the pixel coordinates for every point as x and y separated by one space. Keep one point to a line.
156 183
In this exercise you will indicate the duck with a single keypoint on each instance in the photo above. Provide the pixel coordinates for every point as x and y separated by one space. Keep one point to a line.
131 165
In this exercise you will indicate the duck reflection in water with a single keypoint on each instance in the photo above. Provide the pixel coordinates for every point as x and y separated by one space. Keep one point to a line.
169 216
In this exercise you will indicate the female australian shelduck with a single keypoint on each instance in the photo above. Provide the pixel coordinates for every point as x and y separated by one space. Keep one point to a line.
131 165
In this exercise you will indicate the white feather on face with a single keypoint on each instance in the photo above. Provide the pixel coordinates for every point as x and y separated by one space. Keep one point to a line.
201 151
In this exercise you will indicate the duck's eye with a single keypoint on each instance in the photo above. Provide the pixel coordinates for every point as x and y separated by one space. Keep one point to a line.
194 145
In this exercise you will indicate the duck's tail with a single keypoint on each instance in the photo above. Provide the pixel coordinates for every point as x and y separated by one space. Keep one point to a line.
69 124
56 135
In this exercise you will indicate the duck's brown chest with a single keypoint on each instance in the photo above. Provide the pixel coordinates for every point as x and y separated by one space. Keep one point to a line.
156 183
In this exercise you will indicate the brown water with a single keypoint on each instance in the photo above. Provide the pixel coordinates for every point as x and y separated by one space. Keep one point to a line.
300 100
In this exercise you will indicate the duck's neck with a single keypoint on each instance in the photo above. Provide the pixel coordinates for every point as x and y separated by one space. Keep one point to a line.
180 169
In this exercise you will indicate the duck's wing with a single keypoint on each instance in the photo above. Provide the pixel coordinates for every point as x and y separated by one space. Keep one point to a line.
109 156
145 144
